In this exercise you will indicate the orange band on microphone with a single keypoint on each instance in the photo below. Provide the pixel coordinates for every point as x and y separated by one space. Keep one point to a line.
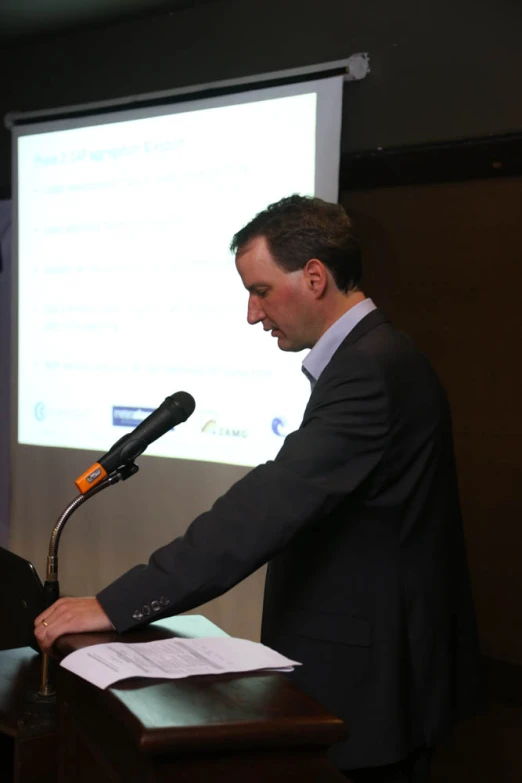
90 478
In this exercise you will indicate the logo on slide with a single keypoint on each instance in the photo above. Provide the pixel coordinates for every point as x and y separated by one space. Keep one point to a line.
48 413
278 427
39 411
211 427
129 417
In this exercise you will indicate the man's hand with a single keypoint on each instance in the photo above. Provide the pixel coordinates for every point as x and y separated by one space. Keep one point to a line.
69 615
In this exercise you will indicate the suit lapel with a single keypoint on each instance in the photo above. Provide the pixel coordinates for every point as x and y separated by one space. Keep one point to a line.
365 325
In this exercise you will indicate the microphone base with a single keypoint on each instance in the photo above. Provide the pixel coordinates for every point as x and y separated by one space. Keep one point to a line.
39 716
44 704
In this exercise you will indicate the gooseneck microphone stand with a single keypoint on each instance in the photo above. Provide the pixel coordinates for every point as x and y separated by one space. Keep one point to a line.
51 585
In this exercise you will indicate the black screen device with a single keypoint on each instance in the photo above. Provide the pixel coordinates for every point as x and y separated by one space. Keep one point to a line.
21 600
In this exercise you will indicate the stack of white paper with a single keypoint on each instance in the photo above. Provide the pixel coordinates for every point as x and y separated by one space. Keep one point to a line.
105 664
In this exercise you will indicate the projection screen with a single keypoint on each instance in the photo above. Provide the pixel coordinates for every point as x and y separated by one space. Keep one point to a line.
126 292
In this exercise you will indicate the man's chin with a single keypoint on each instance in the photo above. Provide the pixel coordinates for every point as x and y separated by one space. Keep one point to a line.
284 344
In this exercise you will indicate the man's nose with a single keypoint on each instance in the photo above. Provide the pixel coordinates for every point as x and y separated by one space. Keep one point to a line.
255 312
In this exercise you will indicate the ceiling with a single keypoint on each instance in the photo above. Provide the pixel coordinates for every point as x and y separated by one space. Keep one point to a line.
21 20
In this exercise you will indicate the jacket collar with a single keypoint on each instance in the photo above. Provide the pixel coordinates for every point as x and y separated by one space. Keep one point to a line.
366 324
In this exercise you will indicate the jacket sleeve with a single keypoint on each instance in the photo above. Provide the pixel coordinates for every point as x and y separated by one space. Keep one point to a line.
339 444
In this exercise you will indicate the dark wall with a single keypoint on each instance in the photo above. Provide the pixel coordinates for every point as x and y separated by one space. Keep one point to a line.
445 262
448 70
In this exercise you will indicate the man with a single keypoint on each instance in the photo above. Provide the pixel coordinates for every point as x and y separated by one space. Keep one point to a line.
358 515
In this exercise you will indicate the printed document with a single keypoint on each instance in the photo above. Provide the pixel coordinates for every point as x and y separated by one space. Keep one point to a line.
105 664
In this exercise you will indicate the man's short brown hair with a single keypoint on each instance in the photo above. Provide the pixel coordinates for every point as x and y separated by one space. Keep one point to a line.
298 228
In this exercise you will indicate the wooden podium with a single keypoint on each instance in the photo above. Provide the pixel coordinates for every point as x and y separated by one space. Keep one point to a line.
254 727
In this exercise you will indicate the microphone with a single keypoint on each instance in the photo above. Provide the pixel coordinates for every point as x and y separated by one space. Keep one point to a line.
174 410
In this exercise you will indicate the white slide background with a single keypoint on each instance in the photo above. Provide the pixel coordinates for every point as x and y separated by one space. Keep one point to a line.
128 291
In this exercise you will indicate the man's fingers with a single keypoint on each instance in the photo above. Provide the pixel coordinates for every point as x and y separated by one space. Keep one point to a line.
45 636
69 615
55 609
48 630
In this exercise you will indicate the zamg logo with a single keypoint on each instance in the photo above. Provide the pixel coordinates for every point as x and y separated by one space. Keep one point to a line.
210 426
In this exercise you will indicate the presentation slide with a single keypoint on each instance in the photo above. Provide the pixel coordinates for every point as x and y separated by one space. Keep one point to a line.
128 291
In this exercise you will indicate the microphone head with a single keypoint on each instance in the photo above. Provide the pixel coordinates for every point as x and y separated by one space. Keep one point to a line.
184 401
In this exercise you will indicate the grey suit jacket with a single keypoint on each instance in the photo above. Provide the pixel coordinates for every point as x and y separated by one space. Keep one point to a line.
359 519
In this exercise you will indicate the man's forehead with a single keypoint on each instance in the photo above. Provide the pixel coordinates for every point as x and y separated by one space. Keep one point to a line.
256 261
255 247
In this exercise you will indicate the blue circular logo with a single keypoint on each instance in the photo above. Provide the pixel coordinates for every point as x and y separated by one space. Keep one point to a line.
39 411
278 426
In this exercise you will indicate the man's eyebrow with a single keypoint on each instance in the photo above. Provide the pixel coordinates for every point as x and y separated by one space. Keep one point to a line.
251 288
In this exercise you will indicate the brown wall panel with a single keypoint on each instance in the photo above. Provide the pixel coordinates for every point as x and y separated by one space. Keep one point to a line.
445 261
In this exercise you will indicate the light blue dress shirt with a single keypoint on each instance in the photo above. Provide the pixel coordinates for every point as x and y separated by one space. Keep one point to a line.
330 341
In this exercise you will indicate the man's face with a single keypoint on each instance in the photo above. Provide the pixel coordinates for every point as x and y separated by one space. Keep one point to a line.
277 299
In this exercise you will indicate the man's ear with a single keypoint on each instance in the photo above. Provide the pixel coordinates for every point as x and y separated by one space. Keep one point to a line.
316 277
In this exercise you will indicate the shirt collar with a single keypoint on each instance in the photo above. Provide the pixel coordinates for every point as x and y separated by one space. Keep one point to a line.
315 362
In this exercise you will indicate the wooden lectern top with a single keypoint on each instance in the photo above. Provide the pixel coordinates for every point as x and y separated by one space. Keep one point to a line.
262 711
